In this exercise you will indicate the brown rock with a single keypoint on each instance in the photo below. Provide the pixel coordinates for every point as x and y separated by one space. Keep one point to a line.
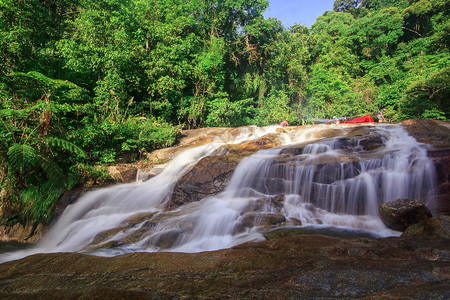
122 173
401 213
437 135
440 203
438 227
209 176
372 142
431 132
11 233
212 174
29 233
166 239
295 221
114 173
278 201
262 219
328 133
293 267
249 147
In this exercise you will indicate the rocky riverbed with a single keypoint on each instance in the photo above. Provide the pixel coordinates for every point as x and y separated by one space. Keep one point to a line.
289 265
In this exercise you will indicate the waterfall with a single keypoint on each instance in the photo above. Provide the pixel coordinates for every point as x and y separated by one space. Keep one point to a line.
307 181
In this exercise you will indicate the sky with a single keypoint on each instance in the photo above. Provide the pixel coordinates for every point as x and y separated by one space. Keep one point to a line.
303 12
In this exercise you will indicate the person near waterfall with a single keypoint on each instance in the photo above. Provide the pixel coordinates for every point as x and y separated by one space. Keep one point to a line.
381 115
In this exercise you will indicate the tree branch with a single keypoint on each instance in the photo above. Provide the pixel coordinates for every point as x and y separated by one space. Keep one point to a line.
412 30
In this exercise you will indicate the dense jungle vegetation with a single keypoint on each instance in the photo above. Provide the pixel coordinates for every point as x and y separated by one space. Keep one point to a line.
85 83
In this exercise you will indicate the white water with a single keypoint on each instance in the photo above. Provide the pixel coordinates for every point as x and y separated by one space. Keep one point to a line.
348 199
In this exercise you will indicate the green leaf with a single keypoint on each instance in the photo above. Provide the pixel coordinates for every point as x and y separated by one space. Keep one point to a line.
22 157
66 145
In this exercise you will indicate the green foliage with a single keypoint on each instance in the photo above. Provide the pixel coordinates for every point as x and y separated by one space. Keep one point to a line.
434 114
92 173
38 180
38 202
109 141
223 112
88 83
66 145
275 109
428 96
378 32
22 158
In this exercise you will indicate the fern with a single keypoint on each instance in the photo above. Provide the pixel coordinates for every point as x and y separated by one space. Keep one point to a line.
52 170
13 113
47 81
66 145
37 202
39 194
39 105
22 157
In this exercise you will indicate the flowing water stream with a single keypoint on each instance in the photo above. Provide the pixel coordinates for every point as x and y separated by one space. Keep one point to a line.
307 181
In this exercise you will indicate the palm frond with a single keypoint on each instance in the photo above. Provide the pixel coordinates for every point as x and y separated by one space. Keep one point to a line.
21 157
51 168
24 158
66 145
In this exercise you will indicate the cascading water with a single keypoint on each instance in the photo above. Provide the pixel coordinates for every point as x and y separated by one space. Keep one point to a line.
332 182
307 181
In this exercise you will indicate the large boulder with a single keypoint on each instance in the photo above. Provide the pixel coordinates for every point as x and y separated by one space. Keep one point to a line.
365 138
431 132
402 213
122 173
209 176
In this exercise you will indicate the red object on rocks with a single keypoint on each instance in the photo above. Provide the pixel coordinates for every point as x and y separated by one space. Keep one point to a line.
364 119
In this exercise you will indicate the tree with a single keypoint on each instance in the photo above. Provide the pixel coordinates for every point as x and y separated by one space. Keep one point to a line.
378 33
28 32
345 5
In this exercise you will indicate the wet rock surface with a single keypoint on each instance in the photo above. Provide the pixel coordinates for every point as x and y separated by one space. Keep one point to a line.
292 267
263 220
437 227
431 132
209 176
436 134
28 233
441 200
402 213
212 174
